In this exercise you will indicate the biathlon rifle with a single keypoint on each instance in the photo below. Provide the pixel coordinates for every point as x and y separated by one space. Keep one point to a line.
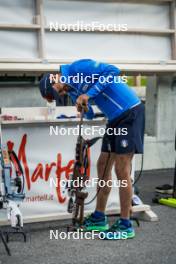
76 189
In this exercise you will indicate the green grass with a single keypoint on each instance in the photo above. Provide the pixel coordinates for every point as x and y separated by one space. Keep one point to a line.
131 81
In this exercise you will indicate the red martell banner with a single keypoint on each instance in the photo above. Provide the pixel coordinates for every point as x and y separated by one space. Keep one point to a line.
48 161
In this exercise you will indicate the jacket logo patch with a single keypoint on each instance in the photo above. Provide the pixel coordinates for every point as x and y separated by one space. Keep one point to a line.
124 143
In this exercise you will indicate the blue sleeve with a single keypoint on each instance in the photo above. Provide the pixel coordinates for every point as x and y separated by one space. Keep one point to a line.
103 81
90 113
87 115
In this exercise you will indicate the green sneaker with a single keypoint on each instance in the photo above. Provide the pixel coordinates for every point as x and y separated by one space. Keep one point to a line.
118 231
97 224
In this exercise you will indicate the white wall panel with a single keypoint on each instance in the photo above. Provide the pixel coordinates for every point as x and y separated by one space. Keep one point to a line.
16 11
18 44
69 45
135 15
23 44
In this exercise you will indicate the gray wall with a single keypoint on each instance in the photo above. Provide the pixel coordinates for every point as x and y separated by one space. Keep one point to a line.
21 97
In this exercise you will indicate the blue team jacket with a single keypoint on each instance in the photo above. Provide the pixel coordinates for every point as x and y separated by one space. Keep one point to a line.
96 79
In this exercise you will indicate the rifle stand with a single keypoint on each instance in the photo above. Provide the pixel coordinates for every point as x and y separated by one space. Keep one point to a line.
5 243
78 211
15 231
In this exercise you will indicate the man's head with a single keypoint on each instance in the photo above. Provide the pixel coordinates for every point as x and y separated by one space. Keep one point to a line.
60 87
51 88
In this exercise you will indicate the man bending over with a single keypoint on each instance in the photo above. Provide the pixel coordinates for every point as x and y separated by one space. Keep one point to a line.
88 80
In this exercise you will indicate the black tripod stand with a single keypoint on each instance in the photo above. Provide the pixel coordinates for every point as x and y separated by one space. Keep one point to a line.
4 242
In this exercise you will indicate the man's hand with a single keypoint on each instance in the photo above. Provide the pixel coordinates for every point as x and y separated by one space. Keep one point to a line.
82 102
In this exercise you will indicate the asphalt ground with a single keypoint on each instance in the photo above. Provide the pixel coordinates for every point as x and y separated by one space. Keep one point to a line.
155 242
